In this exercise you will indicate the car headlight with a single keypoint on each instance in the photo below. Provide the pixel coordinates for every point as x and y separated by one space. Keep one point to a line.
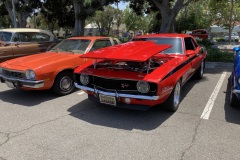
30 74
84 79
143 86
238 80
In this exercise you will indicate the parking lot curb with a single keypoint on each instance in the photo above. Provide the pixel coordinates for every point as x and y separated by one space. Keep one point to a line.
213 65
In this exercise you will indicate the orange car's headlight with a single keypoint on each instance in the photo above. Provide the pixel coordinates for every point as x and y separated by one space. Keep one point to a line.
30 74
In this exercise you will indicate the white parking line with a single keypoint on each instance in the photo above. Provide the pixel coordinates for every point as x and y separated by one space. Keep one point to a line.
80 93
208 108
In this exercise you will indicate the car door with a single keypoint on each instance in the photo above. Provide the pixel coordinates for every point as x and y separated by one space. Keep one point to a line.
23 44
43 41
196 58
6 52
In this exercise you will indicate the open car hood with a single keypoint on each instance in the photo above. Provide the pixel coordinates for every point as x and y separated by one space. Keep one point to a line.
138 51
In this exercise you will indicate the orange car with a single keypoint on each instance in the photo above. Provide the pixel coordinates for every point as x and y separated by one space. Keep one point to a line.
52 69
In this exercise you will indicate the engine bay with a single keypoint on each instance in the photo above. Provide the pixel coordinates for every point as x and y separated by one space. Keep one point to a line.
141 67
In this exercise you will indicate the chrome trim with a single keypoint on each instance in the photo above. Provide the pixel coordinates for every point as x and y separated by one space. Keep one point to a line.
94 90
23 82
12 70
113 78
236 91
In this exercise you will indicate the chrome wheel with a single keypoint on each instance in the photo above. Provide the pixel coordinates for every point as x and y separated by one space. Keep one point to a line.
202 68
66 83
63 83
177 93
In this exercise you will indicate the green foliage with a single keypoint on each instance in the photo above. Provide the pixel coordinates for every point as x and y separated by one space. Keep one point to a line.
220 40
135 22
216 55
105 19
5 21
194 16
61 14
205 42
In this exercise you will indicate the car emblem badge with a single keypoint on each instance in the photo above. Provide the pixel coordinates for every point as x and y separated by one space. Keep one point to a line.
123 85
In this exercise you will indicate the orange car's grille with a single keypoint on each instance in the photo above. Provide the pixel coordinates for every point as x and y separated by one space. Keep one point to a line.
13 74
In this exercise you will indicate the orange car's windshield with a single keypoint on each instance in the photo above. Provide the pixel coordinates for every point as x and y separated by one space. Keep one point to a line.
76 46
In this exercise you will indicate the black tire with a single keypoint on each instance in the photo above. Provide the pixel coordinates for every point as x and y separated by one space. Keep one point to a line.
234 102
173 101
63 83
200 71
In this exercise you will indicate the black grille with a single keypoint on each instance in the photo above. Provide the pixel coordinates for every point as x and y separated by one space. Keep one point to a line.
115 83
13 74
121 85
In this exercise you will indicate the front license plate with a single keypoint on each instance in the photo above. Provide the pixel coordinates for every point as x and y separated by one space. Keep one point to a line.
107 100
10 84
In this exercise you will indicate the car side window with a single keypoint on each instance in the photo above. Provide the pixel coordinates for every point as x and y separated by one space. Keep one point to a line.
189 44
20 37
40 37
101 43
115 41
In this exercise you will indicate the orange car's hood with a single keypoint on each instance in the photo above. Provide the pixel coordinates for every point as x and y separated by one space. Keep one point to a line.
42 59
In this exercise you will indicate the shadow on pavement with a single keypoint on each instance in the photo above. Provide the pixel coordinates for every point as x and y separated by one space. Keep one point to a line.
231 114
126 119
26 98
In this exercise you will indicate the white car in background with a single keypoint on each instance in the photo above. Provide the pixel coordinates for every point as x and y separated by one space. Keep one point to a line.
234 36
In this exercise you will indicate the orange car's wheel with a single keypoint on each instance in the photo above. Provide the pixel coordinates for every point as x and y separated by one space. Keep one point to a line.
173 101
63 83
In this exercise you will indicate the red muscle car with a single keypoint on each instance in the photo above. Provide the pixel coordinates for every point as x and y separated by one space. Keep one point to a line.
148 71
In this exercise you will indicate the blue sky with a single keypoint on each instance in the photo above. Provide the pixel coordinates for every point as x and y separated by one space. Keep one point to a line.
121 5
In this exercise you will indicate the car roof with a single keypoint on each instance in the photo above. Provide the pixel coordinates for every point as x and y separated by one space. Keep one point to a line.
26 30
164 35
89 37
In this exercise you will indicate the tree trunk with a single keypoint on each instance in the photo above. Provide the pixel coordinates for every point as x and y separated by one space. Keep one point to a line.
8 5
79 23
169 13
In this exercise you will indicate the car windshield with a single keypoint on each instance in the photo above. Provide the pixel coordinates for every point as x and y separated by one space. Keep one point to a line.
175 42
5 36
76 46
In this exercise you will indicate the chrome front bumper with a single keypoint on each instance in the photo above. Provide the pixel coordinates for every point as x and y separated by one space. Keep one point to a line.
118 95
22 82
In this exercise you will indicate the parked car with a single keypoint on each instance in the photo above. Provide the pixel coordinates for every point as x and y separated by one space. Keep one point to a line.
18 42
235 79
147 71
52 69
234 37
200 33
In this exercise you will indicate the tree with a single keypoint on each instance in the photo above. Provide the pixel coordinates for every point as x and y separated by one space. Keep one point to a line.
23 8
61 15
225 13
85 8
106 18
168 9
5 21
132 20
194 16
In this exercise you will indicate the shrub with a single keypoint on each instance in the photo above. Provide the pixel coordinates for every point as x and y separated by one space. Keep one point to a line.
220 40
205 42
216 55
